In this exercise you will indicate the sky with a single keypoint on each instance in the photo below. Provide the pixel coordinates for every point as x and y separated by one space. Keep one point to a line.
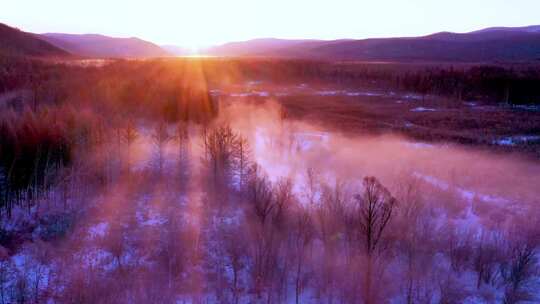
201 23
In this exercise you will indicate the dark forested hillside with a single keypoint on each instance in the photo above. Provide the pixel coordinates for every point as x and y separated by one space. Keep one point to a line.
14 42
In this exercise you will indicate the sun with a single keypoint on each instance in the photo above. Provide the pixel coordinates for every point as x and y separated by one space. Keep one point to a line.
194 49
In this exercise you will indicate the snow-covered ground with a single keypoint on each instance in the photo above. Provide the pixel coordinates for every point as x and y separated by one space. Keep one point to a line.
260 89
423 109
532 108
135 227
516 140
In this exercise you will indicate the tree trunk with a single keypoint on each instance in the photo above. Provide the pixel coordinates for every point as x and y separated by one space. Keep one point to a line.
298 277
368 283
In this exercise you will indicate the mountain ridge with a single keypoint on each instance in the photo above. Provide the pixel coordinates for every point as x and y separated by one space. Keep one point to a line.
97 45
490 44
493 44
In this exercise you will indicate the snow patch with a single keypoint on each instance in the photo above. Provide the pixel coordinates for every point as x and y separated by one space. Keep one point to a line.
328 93
422 109
153 219
466 194
515 140
240 94
98 230
419 145
307 140
253 82
533 108
412 96
360 93
215 92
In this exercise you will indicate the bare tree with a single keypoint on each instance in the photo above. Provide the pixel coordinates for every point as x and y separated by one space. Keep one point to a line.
268 205
458 244
374 210
518 271
487 256
116 243
219 146
331 211
172 249
302 236
410 228
234 244
329 222
242 161
129 135
6 271
312 187
283 200
261 202
182 138
260 196
160 138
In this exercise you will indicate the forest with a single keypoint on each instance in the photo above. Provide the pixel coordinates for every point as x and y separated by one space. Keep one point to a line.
200 180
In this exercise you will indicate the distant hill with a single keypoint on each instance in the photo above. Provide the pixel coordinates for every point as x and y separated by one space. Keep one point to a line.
472 47
262 46
93 45
530 29
489 45
14 42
